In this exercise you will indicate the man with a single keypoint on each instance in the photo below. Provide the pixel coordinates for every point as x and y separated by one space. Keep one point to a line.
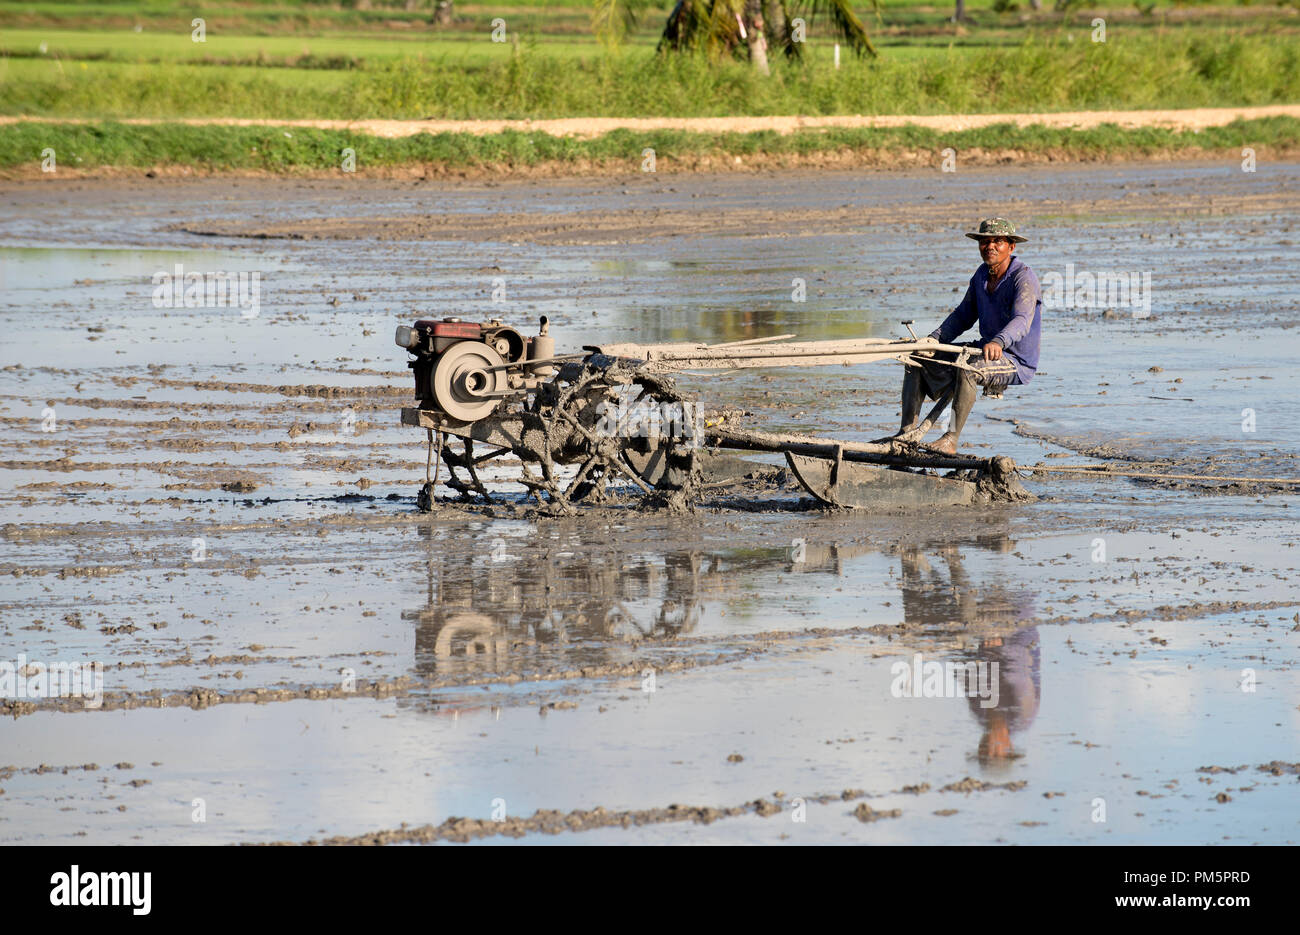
1005 299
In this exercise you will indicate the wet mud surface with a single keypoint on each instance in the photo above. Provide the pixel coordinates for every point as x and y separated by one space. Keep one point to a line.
220 510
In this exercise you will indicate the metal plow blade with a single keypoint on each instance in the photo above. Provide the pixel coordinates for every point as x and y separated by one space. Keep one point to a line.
716 469
850 484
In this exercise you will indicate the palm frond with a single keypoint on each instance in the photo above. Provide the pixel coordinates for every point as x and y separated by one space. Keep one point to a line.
714 25
848 28
724 27
685 27
612 20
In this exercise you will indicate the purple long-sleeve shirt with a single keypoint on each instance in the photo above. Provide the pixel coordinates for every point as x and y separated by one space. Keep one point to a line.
1012 316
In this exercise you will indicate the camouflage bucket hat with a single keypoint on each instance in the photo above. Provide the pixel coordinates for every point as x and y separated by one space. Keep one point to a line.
996 227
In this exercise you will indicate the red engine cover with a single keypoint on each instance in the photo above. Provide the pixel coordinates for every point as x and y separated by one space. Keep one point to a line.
450 329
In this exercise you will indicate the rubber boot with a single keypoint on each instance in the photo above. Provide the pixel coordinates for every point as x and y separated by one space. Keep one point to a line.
963 400
913 398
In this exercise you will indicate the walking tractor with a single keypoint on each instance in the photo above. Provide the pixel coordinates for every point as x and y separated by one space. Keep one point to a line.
598 425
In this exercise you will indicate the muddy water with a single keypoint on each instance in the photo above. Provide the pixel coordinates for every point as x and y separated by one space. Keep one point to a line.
219 507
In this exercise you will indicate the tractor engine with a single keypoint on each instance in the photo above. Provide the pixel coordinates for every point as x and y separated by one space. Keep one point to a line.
464 369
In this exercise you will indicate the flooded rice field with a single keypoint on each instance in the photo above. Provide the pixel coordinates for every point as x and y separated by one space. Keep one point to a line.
209 522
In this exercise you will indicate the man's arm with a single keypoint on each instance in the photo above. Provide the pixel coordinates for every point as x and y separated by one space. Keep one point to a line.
961 318
1027 296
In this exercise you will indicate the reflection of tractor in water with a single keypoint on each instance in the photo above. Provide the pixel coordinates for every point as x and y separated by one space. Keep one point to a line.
469 634
489 615
490 611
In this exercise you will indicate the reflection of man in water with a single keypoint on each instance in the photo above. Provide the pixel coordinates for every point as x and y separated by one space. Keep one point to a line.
1019 691
996 615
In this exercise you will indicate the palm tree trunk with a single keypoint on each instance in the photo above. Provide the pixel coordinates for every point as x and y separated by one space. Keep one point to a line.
755 35
774 20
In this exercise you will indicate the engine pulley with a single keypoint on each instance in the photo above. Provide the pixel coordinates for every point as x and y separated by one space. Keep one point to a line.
460 374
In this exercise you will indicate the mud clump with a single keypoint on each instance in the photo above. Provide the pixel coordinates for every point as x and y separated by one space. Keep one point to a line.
1279 768
549 706
865 813
969 785
17 709
1001 484
543 821
92 571
202 698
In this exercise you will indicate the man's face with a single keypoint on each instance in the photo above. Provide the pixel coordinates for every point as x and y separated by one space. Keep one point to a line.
995 251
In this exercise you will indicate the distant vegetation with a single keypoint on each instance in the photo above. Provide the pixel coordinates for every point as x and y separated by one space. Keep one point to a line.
276 149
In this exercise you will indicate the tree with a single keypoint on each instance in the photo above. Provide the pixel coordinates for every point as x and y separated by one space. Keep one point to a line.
737 27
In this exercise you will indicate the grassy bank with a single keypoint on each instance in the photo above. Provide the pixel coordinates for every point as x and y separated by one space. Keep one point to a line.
1044 73
277 150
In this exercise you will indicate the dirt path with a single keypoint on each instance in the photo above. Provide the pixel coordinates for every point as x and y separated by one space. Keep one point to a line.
587 127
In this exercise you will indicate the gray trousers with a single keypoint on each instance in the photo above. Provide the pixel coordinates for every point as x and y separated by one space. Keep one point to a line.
994 375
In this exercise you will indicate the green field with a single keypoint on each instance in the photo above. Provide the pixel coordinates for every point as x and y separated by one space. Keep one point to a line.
299 59
129 47
1043 73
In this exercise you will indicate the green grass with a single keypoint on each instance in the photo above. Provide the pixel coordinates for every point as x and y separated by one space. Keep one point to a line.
276 150
279 16
128 47
1042 73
